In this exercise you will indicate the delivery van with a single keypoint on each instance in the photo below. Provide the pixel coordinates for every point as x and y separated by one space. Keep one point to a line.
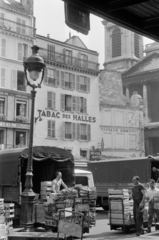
83 177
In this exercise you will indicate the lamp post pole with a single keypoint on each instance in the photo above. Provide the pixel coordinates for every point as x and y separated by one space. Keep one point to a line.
34 65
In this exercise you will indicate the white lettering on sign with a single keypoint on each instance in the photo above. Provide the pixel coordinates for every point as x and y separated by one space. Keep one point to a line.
14 125
117 130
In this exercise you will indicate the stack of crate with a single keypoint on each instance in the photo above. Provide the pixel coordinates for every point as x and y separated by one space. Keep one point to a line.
120 208
3 231
45 190
9 214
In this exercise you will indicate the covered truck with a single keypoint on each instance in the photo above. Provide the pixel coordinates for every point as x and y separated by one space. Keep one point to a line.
118 174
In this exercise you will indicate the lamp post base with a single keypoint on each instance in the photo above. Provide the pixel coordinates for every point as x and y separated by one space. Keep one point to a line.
27 211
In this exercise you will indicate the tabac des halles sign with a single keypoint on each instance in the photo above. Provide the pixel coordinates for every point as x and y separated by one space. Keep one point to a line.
77 18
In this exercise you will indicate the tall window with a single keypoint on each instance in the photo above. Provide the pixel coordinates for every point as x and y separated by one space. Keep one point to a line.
1 19
1 136
83 132
116 43
68 56
72 103
21 26
50 52
136 45
52 77
51 100
83 84
68 80
51 129
21 111
3 47
69 130
18 80
83 60
20 138
3 77
22 51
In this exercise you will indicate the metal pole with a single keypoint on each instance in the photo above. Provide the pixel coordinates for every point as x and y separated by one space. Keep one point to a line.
27 206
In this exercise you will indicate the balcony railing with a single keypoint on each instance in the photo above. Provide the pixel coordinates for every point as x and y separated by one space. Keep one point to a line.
21 119
83 137
16 27
68 85
71 61
68 136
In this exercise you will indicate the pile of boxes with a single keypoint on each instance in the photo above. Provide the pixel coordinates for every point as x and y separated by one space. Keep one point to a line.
120 207
9 214
3 229
45 190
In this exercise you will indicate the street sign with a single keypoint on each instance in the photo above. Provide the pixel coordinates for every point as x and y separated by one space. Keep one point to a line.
77 18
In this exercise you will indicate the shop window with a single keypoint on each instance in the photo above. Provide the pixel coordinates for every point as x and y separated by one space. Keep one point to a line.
83 84
136 45
67 80
51 98
51 52
21 26
51 129
3 47
21 111
3 77
83 153
2 109
116 43
1 136
22 51
52 77
20 138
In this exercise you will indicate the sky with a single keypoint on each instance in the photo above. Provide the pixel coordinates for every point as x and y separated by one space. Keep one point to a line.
50 19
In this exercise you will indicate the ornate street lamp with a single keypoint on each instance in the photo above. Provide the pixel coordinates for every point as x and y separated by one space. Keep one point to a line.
34 68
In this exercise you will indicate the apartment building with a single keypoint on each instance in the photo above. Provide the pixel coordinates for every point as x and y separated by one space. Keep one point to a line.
17 34
67 106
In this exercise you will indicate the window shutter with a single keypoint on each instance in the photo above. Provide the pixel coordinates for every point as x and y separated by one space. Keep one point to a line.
79 59
77 82
62 102
84 105
64 54
46 76
14 79
49 99
3 77
52 52
62 79
63 130
20 51
89 132
73 81
57 78
88 84
3 49
23 26
53 100
78 131
73 131
73 103
78 104
49 128
53 129
18 25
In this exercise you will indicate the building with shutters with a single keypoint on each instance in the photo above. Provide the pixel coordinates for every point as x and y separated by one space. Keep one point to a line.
17 34
67 111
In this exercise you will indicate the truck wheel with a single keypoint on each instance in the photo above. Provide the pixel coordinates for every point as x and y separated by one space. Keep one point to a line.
105 208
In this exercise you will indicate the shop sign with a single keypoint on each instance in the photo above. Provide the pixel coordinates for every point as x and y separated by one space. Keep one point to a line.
73 117
95 155
118 130
14 125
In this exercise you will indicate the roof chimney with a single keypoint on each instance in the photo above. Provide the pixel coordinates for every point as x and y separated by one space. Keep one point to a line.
48 35
69 34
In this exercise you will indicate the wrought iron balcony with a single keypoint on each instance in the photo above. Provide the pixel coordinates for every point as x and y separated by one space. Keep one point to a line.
17 27
61 58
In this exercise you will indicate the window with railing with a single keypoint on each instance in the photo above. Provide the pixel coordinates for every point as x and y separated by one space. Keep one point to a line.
67 80
83 132
51 100
83 84
21 26
73 104
22 51
68 56
2 108
18 80
68 130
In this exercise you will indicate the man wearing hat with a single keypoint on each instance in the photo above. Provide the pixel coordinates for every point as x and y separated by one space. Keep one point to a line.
151 193
138 195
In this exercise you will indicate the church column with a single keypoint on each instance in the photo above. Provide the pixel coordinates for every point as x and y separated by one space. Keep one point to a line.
145 102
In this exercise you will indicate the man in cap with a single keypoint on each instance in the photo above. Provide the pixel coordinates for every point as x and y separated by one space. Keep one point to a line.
138 195
151 193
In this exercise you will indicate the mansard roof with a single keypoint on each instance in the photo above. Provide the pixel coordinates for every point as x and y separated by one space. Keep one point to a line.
13 5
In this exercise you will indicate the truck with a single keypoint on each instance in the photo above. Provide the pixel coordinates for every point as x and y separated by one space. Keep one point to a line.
118 174
46 162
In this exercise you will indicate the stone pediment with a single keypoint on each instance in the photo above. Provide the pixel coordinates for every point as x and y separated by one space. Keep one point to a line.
148 63
76 41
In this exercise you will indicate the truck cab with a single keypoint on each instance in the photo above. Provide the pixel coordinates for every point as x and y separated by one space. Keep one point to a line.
83 177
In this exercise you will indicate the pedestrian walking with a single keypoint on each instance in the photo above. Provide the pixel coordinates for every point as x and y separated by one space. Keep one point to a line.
138 195
151 193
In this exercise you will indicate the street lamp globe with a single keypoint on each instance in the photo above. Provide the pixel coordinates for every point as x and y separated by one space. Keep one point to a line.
35 66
